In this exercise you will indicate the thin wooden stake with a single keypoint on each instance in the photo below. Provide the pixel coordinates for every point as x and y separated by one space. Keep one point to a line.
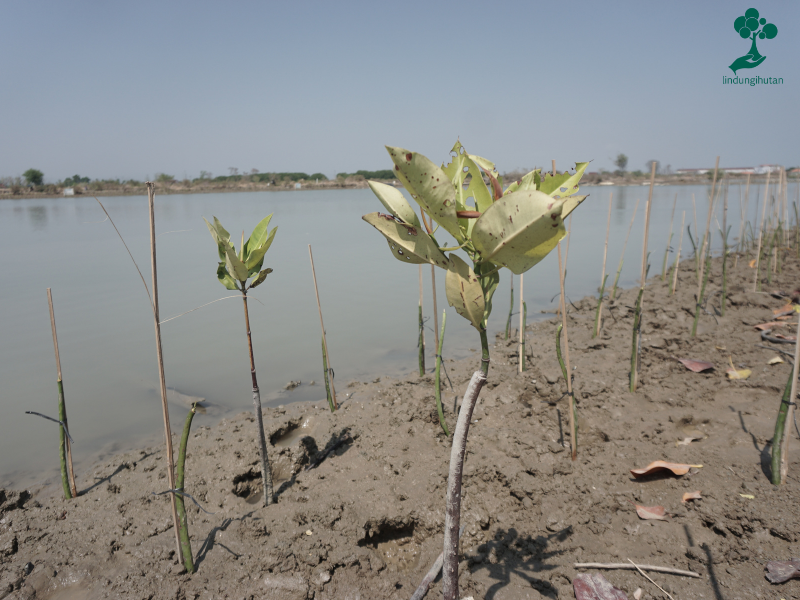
322 325
761 232
572 424
151 192
669 240
521 323
435 309
678 257
647 223
706 238
603 273
62 408
421 339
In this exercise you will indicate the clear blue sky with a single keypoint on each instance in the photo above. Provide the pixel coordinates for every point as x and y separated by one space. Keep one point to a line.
129 89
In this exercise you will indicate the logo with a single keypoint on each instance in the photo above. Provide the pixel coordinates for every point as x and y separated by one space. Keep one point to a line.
751 27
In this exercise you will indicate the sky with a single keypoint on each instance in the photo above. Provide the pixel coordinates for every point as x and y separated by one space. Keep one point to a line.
131 89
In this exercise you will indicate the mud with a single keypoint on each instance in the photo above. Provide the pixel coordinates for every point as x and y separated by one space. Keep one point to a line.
360 493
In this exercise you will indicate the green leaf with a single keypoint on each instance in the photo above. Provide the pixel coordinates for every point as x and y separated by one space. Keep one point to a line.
394 201
258 237
476 190
530 181
489 285
260 279
256 258
520 229
235 267
225 277
409 244
563 184
429 186
464 291
222 239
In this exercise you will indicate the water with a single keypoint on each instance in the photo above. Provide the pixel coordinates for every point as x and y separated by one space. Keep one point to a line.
369 302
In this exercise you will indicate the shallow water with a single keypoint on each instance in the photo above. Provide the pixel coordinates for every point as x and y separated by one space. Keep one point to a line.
369 303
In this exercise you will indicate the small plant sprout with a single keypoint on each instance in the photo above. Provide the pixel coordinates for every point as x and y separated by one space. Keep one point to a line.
780 440
326 357
515 229
674 284
510 308
186 544
437 387
598 315
637 311
669 240
233 271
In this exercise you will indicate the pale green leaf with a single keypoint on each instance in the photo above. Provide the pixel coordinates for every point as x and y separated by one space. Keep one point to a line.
563 184
235 267
260 279
530 181
394 201
225 277
409 244
223 234
220 238
256 258
429 186
457 171
464 291
489 285
258 237
519 230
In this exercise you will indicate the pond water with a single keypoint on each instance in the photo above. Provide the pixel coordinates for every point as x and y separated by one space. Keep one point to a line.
369 303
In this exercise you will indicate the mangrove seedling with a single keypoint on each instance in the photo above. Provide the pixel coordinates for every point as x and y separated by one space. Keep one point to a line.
515 229
233 271
421 325
510 309
603 276
326 357
437 387
180 471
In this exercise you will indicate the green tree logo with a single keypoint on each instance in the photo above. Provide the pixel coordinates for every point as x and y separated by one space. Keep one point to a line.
750 26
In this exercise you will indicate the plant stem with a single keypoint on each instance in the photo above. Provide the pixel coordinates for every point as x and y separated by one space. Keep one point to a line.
698 306
596 330
437 389
266 471
677 258
186 544
603 275
777 438
327 380
322 325
435 308
574 418
669 240
637 323
457 454
573 422
421 339
783 440
65 450
151 192
757 283
524 325
510 308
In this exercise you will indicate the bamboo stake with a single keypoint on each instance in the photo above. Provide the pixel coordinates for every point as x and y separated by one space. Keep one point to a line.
435 308
151 192
790 412
678 258
599 316
637 313
669 240
67 471
706 238
624 247
573 433
322 325
761 232
421 340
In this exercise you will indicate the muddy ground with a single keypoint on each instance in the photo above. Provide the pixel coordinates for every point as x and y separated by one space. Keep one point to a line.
365 520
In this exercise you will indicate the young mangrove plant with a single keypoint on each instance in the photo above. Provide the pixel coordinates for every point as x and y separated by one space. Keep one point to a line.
780 440
674 278
598 312
669 240
510 308
180 472
515 229
326 357
437 387
233 271
421 325
65 448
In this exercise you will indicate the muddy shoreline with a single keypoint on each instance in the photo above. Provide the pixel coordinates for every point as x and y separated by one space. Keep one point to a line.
360 507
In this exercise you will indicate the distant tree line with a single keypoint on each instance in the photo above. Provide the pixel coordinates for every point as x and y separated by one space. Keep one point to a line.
382 174
273 178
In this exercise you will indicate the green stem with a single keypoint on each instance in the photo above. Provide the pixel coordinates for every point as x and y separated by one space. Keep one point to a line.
62 448
769 259
596 329
666 255
563 366
180 471
421 344
777 438
616 280
559 328
327 380
511 308
437 390
522 333
699 304
637 323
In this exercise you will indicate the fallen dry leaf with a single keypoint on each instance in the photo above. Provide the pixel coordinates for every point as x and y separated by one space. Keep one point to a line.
637 595
691 496
785 318
779 571
740 374
593 586
748 496
786 308
651 512
770 325
753 263
659 465
685 441
788 338
775 361
696 365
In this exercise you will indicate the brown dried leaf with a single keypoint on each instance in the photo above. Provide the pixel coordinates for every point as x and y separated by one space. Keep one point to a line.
651 512
659 465
779 571
770 325
593 586
691 496
786 308
775 360
789 338
696 365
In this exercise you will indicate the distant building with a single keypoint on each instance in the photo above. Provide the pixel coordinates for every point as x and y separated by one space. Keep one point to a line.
764 169
692 171
69 191
731 170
